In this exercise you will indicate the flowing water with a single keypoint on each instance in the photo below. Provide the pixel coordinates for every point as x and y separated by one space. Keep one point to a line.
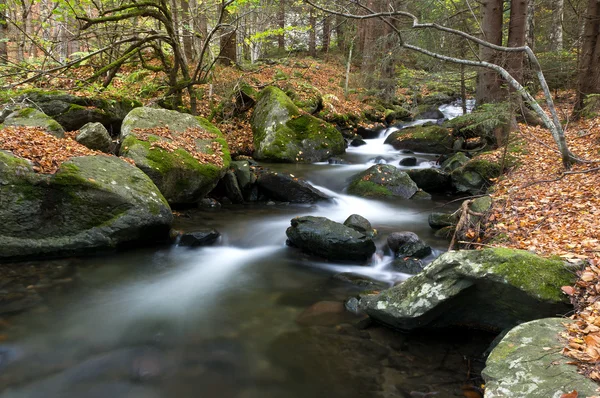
247 317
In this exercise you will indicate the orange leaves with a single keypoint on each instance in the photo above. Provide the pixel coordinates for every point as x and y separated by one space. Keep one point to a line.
188 140
45 151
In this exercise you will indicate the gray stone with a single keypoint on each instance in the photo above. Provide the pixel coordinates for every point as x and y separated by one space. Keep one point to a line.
441 220
199 238
329 239
232 188
454 162
95 136
491 289
528 363
91 202
410 161
30 117
181 178
428 139
408 265
242 172
397 239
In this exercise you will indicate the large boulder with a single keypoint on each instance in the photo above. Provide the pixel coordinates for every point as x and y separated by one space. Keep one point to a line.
382 180
179 175
329 239
287 188
490 289
72 112
283 134
91 202
528 363
30 117
428 139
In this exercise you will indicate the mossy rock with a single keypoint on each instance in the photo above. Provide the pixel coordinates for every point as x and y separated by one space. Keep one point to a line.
491 289
30 117
179 176
528 362
487 121
475 176
454 162
427 112
90 203
427 139
438 98
382 181
282 134
72 112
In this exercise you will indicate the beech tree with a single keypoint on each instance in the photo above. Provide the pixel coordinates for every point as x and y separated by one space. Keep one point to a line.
551 122
589 72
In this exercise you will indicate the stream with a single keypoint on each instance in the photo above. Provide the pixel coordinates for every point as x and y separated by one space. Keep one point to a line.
246 318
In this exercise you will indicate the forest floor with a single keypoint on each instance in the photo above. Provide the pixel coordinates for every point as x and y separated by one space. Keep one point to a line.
538 206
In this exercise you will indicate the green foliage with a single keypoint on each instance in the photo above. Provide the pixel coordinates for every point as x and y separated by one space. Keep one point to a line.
560 69
591 106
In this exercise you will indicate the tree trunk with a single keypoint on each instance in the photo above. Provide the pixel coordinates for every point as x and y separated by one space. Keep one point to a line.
312 35
556 30
326 33
228 54
530 38
281 25
516 37
488 82
589 72
3 34
341 30
187 33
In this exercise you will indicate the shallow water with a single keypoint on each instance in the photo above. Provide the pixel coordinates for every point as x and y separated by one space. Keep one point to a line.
238 319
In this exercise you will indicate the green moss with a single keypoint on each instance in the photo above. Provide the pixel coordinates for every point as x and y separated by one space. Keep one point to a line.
368 189
536 275
484 168
26 112
69 174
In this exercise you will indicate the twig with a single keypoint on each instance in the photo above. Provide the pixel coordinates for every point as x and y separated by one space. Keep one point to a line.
565 173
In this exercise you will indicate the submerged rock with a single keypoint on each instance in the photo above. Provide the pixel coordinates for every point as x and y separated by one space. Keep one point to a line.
382 181
528 363
199 238
329 239
180 177
488 289
91 202
282 134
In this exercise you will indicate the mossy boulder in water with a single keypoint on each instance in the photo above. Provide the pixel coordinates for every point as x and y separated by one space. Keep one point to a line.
283 134
427 139
528 363
178 174
382 180
90 203
329 239
490 289
29 117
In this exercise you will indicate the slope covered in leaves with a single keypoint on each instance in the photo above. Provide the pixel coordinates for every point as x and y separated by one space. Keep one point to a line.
542 208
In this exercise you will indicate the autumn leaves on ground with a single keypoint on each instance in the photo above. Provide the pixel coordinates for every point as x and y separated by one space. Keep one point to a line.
537 205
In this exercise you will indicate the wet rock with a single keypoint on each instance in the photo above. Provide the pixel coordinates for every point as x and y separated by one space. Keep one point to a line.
490 289
90 203
244 176
410 161
329 239
199 238
421 195
428 139
408 265
337 161
431 180
360 224
528 363
287 188
358 142
454 162
95 136
232 188
209 203
441 220
428 112
382 181
407 244
378 160
360 281
397 239
368 134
